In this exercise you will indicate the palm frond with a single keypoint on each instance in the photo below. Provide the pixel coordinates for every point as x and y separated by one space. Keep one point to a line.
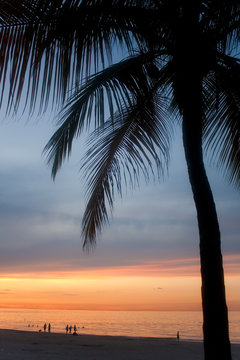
63 40
114 85
136 143
220 20
222 128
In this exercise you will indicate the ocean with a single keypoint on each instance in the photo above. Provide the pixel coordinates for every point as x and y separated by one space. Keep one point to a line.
125 323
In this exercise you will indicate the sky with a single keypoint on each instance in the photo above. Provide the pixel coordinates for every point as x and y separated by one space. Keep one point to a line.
146 259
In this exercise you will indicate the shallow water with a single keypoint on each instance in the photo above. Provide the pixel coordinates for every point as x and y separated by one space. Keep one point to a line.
127 323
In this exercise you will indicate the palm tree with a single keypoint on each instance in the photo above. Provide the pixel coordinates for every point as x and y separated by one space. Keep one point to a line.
182 66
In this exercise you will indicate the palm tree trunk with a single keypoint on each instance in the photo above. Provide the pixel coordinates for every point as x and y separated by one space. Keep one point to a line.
189 85
215 316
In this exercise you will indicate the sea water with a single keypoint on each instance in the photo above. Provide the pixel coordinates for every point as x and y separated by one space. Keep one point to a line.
123 323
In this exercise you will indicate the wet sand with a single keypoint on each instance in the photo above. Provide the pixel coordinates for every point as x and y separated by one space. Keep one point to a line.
26 345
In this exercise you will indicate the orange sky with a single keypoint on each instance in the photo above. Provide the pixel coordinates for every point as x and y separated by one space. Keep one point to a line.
169 285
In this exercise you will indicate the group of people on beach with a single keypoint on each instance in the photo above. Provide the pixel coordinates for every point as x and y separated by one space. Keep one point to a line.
45 326
69 329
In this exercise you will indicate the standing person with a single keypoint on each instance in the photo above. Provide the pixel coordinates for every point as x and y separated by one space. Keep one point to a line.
66 329
75 330
178 336
70 329
45 327
49 327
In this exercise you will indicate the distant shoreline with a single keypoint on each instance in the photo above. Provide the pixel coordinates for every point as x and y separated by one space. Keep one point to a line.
21 345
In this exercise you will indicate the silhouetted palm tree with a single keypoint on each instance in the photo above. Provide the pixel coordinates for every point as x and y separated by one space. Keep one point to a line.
182 66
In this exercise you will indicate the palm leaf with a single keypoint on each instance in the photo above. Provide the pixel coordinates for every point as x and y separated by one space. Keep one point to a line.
222 128
64 40
115 84
136 141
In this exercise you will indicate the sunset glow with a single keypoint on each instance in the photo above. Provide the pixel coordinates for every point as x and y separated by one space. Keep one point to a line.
147 259
169 285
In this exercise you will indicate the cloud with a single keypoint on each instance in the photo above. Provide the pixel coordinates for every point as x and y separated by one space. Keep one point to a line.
40 220
6 292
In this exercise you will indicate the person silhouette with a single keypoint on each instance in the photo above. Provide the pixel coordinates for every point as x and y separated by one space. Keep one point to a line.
45 327
66 329
49 327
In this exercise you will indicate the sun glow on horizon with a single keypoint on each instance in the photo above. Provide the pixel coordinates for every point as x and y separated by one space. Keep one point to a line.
169 285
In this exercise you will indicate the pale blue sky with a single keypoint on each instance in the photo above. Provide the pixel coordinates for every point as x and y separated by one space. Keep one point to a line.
40 219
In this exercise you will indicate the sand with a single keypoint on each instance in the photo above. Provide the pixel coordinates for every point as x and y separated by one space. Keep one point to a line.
25 345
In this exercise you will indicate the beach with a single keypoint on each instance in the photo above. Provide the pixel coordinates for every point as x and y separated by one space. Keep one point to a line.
26 345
